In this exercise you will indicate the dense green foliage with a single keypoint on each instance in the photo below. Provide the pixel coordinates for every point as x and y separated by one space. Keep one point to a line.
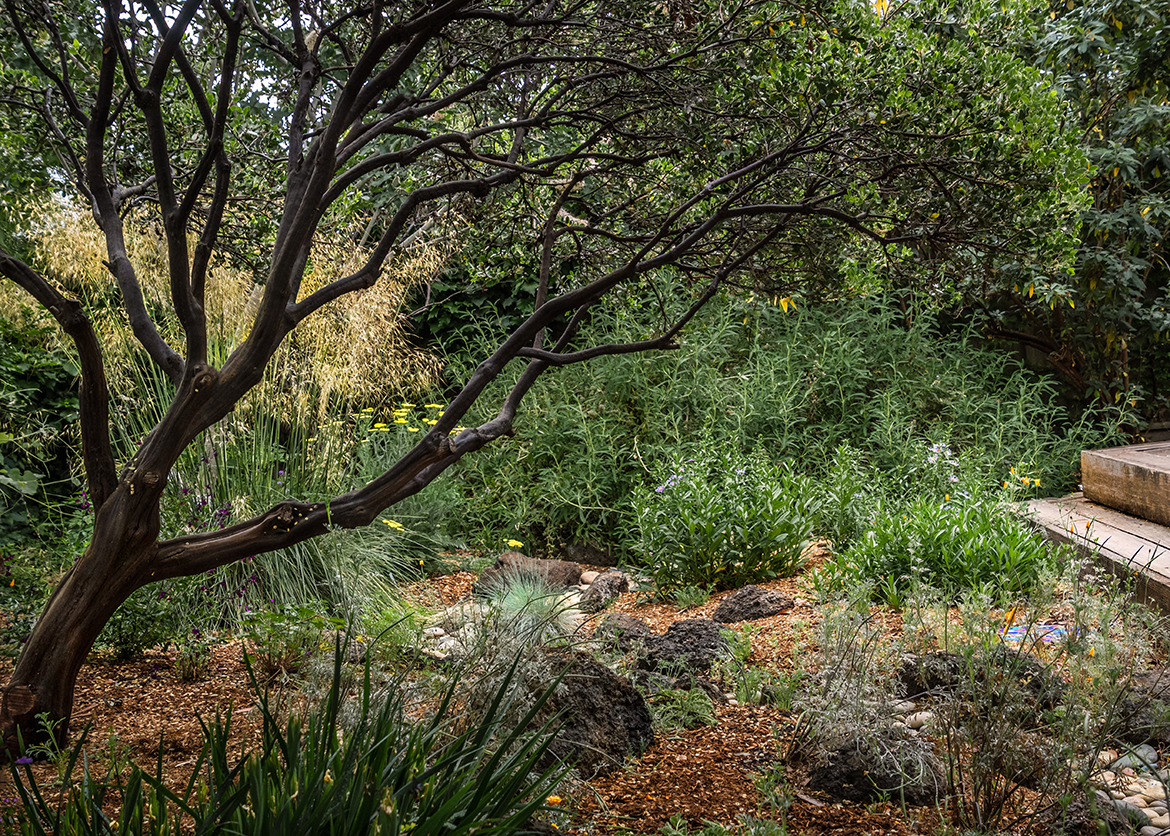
793 384
720 520
38 416
954 546
1106 324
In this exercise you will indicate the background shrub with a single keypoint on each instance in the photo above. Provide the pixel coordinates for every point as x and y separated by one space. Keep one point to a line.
865 375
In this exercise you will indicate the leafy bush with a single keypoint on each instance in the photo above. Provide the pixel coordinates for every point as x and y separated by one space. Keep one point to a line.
721 520
689 597
952 545
386 773
193 655
850 494
38 410
144 620
283 636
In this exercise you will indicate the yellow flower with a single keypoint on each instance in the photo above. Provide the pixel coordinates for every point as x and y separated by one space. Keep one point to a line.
553 799
515 544
368 409
397 526
413 429
379 424
946 497
328 777
408 406
433 405
399 420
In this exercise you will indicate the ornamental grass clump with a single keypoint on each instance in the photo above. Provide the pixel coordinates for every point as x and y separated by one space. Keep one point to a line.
719 520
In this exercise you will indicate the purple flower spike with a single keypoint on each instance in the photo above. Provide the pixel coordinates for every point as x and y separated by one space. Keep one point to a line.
25 760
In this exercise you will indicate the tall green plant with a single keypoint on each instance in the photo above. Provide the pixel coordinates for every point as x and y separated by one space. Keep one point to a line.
380 772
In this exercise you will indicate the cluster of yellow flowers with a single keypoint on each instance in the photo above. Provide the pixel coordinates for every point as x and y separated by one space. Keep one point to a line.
402 416
1024 480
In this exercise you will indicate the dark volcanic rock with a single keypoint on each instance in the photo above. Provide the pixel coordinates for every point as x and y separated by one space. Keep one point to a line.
750 603
624 631
605 718
691 644
603 590
590 553
902 771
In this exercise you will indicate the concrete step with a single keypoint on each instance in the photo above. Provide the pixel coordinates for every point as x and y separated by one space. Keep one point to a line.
1134 479
1125 545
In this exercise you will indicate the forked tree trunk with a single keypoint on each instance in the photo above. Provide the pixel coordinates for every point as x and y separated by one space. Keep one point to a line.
115 564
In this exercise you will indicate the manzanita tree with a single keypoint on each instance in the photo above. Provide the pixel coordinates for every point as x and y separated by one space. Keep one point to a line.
683 147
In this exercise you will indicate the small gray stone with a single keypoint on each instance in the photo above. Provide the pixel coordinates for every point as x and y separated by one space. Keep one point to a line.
1135 815
919 719
1141 758
589 577
604 589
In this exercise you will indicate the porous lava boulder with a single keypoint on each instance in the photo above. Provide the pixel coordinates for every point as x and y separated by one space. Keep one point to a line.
623 631
689 645
865 771
930 673
750 603
604 589
938 673
604 718
558 574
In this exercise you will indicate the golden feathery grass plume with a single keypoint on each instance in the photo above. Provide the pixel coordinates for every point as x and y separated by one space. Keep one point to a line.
354 350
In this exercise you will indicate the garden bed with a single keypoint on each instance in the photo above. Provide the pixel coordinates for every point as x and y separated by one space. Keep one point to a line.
685 779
